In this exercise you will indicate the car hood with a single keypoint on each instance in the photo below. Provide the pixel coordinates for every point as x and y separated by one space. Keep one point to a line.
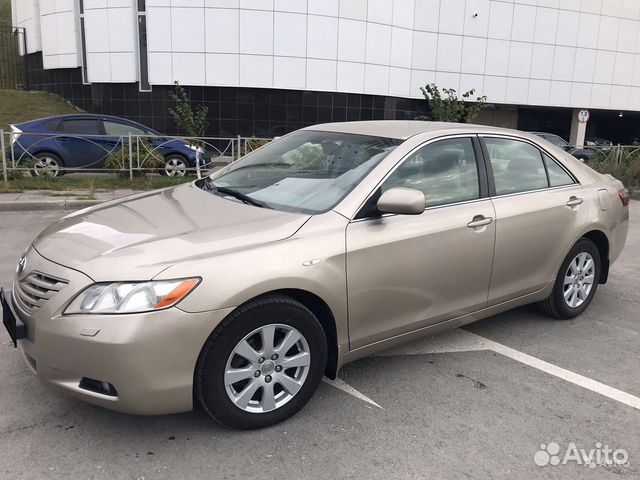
138 237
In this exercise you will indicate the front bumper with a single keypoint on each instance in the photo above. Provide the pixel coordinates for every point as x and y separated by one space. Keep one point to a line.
148 358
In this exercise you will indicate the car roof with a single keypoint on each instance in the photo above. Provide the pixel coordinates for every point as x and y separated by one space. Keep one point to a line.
403 129
81 115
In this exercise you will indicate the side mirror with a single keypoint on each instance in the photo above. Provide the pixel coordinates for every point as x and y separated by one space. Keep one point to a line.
403 201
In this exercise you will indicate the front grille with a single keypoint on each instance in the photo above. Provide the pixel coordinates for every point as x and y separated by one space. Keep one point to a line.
36 288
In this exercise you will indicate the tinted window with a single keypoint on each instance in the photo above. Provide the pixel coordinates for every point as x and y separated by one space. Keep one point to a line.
557 176
52 124
87 126
116 129
445 171
517 166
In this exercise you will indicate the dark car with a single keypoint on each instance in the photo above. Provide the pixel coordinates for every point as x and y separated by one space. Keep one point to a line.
598 142
85 141
583 154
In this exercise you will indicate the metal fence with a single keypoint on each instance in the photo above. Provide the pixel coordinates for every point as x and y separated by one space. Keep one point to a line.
612 154
13 68
40 154
129 156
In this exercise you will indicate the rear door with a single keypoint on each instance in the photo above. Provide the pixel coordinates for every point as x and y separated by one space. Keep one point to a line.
539 208
117 135
405 272
78 143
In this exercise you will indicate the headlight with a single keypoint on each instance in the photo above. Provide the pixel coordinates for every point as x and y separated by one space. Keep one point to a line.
192 147
131 297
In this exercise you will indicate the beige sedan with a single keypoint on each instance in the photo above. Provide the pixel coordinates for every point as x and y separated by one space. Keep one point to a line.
238 292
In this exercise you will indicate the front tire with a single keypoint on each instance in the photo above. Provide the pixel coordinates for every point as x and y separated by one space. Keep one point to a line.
262 364
175 166
576 283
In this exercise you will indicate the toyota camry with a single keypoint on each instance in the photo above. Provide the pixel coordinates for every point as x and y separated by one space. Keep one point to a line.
239 291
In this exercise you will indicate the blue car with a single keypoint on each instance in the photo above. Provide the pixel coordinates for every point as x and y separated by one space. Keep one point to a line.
85 141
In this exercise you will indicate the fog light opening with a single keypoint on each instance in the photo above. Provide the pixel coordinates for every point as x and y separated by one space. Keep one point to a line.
98 386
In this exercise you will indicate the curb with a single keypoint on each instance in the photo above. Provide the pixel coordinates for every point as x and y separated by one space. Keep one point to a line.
48 205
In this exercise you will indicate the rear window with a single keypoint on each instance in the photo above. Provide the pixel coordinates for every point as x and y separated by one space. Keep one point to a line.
116 129
86 126
51 125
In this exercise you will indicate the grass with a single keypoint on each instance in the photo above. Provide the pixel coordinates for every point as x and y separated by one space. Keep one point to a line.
19 106
5 12
90 184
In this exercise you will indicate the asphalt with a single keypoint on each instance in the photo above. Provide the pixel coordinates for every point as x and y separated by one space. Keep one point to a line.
460 413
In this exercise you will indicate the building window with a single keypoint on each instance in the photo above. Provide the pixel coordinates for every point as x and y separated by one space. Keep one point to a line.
142 48
83 43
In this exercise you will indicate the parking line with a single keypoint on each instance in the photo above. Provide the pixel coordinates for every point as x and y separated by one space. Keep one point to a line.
345 387
459 340
567 375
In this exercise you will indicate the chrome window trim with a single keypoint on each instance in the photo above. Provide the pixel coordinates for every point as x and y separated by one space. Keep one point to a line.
504 195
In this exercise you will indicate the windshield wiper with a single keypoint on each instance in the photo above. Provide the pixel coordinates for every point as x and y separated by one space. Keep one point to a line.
240 196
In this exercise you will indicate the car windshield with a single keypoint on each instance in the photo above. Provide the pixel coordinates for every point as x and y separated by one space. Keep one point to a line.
307 171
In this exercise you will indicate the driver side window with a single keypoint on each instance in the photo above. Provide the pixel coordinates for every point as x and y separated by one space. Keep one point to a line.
445 171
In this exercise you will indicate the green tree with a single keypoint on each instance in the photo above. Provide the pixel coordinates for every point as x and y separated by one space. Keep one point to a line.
191 121
445 105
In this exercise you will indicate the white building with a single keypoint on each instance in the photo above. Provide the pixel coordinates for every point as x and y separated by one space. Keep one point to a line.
572 54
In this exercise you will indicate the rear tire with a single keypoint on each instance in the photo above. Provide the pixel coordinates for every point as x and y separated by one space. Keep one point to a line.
47 164
576 283
288 353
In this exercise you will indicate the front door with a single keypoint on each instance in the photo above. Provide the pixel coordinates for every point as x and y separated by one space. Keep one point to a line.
405 272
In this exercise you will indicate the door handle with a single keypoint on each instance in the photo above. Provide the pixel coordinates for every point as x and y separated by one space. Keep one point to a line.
479 221
574 201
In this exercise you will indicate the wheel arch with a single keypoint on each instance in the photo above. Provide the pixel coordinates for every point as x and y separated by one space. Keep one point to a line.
323 313
599 238
48 151
175 153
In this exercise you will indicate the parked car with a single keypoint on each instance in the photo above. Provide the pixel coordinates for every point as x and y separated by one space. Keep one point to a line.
583 154
241 290
85 141
598 142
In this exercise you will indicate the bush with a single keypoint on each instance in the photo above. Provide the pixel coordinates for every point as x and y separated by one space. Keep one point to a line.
623 164
13 174
451 108
191 120
150 158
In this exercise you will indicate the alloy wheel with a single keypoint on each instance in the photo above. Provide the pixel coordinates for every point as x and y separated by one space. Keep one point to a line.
578 279
46 166
175 167
267 368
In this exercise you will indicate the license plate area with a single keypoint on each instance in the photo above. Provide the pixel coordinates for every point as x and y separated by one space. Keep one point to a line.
16 328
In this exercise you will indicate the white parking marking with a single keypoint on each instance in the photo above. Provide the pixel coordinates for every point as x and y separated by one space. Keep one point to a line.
345 387
589 384
463 341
